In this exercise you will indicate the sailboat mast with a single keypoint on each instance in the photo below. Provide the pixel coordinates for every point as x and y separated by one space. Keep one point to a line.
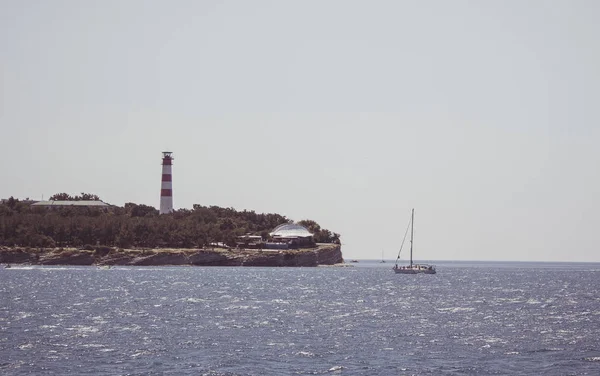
412 227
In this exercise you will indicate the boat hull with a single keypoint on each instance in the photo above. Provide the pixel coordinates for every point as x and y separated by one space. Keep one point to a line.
405 271
414 269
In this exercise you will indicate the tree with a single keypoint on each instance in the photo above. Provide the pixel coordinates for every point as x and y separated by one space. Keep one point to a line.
67 197
11 202
141 210
310 225
135 226
87 197
61 197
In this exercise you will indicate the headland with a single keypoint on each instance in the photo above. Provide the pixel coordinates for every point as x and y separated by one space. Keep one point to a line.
83 230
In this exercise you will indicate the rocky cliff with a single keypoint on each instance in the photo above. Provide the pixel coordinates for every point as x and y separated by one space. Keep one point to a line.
328 254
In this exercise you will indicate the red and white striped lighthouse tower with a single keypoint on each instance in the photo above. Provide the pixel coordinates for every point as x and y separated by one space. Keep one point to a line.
166 185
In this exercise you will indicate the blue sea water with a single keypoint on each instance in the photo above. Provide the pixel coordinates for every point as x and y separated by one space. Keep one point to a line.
469 319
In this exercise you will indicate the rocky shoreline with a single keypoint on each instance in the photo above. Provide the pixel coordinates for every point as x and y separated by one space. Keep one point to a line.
323 254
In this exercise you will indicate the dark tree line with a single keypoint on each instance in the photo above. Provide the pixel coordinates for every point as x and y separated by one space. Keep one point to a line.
135 226
67 197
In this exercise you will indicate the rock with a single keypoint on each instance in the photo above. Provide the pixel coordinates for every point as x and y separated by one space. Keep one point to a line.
71 257
324 254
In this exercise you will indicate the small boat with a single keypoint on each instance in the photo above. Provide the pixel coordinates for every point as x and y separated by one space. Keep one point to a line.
354 261
412 268
6 266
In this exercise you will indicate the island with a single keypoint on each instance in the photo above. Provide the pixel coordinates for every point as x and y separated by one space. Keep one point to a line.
83 230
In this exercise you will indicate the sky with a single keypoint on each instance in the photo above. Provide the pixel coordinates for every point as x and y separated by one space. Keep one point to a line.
484 116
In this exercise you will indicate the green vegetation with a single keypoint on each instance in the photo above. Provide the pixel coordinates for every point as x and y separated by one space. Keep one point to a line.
68 197
134 225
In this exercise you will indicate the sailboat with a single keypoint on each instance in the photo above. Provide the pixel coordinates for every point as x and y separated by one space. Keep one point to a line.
412 268
382 259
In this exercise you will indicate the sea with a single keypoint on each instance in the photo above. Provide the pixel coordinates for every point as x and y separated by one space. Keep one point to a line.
471 318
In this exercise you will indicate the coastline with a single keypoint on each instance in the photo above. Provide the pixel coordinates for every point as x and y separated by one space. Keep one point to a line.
322 254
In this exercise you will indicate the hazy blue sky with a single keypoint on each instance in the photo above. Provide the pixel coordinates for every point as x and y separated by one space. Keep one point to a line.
482 115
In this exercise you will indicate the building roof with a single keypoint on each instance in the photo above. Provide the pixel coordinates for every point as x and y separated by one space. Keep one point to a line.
95 203
290 230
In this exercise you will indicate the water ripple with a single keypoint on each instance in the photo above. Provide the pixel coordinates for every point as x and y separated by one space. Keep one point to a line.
257 321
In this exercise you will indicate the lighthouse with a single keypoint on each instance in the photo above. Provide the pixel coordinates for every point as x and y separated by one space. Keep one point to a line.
166 185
